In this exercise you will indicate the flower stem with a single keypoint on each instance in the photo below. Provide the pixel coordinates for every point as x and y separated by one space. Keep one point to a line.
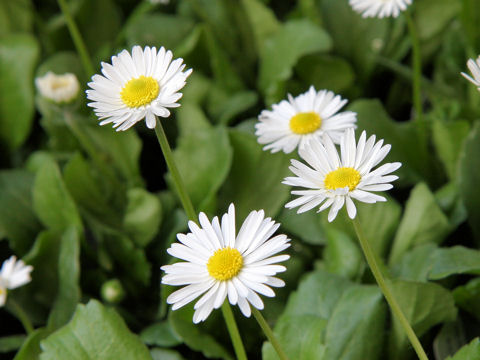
77 39
233 331
22 316
392 302
269 333
177 179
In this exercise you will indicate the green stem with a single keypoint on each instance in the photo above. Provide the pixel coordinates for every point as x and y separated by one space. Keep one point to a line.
392 302
22 316
417 67
233 331
77 39
177 179
269 334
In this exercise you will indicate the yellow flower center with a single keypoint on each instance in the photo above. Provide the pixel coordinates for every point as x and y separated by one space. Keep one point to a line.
342 177
225 264
140 91
305 123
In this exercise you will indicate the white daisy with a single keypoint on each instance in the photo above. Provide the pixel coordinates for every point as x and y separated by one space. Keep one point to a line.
335 181
474 68
379 8
294 122
219 263
58 88
137 86
12 275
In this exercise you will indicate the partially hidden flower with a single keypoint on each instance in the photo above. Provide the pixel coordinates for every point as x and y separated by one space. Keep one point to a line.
218 263
137 86
291 124
474 67
13 274
58 88
379 8
334 181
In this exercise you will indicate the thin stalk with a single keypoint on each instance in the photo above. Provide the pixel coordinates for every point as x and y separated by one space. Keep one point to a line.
22 316
392 302
233 331
417 67
177 179
77 39
269 334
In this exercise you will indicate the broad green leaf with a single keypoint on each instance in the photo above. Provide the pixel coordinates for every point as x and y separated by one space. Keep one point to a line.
467 297
432 16
30 349
423 222
296 38
16 16
449 339
454 260
95 332
469 178
204 159
424 305
11 343
18 56
225 106
142 216
342 255
255 177
448 139
306 226
17 219
415 264
262 20
191 119
470 351
300 337
68 293
160 334
52 202
449 200
165 354
359 313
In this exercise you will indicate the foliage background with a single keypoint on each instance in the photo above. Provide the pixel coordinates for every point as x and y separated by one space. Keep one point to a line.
85 205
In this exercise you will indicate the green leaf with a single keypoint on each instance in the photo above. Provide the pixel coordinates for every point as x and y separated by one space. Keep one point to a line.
17 219
423 222
142 216
415 265
68 294
470 351
11 343
204 159
424 305
18 56
448 139
262 20
16 16
295 39
433 16
455 260
450 339
255 177
469 178
51 200
300 338
467 297
359 313
30 349
160 334
164 354
342 256
95 332
306 226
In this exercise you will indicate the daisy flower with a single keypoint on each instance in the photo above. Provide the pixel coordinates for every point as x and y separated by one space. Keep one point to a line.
137 86
294 122
220 264
12 275
379 8
334 181
58 88
474 67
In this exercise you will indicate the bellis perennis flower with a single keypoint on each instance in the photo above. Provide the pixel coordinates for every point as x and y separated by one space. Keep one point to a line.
474 67
379 8
137 86
290 124
58 88
335 181
13 275
220 264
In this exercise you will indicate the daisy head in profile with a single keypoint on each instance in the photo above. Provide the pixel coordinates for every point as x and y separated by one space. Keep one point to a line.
219 264
13 274
137 86
58 88
474 67
379 8
333 181
291 124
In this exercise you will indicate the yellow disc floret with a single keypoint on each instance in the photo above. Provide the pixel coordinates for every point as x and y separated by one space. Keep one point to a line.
140 91
225 264
342 177
305 123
